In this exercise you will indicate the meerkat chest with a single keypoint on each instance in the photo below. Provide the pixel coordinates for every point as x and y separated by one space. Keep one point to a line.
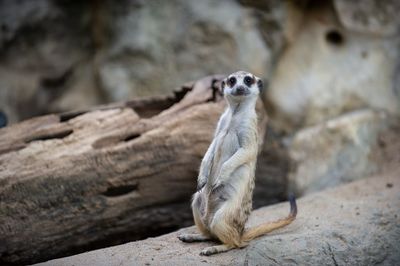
228 142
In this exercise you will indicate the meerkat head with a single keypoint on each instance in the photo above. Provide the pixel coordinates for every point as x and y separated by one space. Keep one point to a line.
241 85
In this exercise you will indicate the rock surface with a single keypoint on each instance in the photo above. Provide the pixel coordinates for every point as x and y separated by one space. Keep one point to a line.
337 151
158 45
355 224
43 46
116 51
370 16
338 71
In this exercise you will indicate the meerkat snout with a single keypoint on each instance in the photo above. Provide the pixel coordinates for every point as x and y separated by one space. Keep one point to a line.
240 90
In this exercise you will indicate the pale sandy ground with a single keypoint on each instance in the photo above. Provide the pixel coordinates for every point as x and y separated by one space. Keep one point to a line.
354 224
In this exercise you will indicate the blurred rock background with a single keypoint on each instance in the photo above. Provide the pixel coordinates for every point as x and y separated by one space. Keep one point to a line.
333 69
60 55
322 60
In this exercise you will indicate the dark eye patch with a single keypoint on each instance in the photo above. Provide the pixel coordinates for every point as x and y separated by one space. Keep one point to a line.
231 81
248 81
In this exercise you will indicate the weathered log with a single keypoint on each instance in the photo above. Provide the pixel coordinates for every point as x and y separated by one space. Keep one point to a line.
116 173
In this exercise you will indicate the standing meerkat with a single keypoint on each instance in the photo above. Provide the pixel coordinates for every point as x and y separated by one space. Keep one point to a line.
223 201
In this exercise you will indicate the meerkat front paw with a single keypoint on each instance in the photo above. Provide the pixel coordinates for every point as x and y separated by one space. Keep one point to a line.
201 183
217 186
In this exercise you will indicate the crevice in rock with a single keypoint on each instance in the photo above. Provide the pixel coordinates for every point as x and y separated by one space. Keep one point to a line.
55 135
131 137
117 191
55 81
334 37
152 106
113 140
332 255
64 117
271 258
3 119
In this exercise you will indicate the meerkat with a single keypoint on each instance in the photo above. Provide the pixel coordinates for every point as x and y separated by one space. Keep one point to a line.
223 201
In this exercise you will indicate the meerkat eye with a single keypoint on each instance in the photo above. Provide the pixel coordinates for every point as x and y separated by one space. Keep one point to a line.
231 81
248 81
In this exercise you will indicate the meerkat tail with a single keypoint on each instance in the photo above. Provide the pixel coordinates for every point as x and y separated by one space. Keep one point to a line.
265 228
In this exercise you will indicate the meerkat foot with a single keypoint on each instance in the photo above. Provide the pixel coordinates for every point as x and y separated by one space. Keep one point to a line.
189 238
215 249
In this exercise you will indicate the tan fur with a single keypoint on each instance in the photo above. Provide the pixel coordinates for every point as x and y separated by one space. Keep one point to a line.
265 228
223 202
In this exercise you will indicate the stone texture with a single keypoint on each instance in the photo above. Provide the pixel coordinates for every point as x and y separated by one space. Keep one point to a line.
43 45
158 45
337 151
338 71
355 224
370 16
61 55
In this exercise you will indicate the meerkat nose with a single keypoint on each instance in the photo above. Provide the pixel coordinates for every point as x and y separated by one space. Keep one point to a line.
240 90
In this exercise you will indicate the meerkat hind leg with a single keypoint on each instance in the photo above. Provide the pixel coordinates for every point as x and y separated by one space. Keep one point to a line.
189 238
197 204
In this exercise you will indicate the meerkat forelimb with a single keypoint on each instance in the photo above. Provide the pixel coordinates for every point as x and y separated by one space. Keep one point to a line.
223 201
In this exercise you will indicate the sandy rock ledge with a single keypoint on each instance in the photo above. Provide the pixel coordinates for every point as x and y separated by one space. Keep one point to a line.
354 224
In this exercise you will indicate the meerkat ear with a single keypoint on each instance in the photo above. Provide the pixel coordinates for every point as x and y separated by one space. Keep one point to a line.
223 84
260 85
